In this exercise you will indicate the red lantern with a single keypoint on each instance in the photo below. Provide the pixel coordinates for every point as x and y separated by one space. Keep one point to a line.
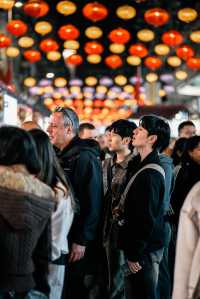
185 52
49 44
5 41
156 16
68 32
74 59
36 8
138 50
113 61
16 27
193 63
93 48
153 62
95 11
172 38
119 36
32 55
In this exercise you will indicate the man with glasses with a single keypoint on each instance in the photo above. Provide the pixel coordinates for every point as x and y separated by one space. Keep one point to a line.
81 163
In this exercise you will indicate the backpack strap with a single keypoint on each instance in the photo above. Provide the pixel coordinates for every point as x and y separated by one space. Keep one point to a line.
154 166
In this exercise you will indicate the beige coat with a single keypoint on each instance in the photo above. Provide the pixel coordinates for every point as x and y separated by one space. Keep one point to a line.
187 266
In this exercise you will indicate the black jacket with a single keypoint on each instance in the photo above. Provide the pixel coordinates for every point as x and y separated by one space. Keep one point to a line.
81 163
188 176
144 230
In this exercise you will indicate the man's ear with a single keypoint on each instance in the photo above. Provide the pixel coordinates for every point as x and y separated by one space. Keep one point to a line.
126 140
69 130
152 139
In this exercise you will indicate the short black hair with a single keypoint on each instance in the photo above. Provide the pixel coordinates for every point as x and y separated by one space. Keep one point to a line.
158 126
192 143
86 126
184 124
18 147
123 127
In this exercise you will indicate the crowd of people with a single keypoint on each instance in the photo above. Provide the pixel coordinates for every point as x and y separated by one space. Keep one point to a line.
110 216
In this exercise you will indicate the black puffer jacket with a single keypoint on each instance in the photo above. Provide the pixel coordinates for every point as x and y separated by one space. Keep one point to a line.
82 165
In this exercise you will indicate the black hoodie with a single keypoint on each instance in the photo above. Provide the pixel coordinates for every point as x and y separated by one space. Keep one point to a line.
81 163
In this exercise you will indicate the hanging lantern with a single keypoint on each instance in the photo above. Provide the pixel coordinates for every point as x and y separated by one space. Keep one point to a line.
172 38
74 59
187 14
94 58
6 4
145 35
49 44
116 48
53 56
153 62
195 36
91 81
113 61
16 27
133 60
12 52
185 52
95 11
29 82
93 32
71 44
181 75
36 8
5 41
151 77
32 55
60 82
156 16
66 8
162 49
25 42
174 61
138 50
126 12
43 27
129 88
68 32
119 36
120 80
93 48
193 63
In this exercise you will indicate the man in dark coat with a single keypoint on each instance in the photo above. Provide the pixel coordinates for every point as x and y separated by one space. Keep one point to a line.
81 163
143 230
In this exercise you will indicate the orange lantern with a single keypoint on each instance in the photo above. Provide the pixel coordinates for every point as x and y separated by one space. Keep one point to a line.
6 4
193 63
138 50
74 59
119 36
16 27
68 32
185 52
95 11
36 8
32 55
93 48
5 41
113 61
153 62
49 44
156 16
172 38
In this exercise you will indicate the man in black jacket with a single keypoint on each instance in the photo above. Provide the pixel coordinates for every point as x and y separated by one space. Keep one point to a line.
81 163
143 231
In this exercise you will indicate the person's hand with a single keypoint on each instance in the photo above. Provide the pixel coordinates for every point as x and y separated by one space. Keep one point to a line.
134 267
77 252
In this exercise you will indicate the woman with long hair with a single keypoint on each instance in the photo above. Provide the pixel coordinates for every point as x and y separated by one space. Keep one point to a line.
26 205
51 173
